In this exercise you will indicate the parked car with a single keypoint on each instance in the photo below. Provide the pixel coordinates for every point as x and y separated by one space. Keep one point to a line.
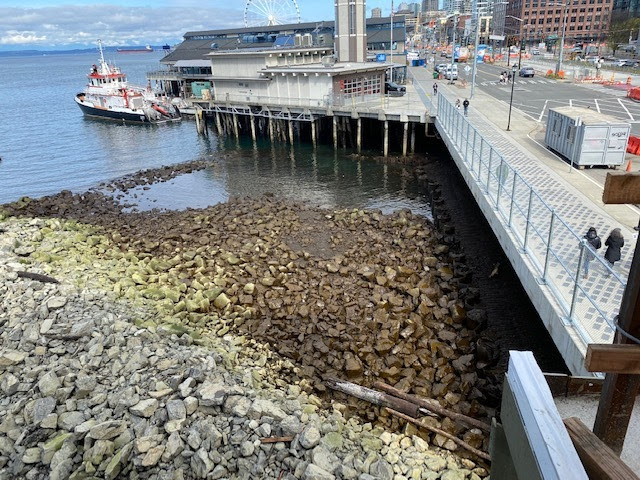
526 72
535 51
443 54
451 73
629 63
440 68
393 88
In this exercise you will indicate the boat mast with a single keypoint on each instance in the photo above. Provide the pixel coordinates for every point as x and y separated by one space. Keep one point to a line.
103 63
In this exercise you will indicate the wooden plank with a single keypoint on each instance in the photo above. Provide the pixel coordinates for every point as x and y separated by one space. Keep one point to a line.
600 462
532 424
621 188
562 385
617 358
620 390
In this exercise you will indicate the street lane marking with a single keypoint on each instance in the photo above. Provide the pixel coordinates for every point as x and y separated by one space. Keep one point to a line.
597 106
570 103
625 109
542 112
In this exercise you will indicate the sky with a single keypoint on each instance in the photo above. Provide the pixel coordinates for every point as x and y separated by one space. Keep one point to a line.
59 25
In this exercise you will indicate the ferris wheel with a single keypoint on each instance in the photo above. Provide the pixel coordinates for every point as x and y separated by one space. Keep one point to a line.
270 12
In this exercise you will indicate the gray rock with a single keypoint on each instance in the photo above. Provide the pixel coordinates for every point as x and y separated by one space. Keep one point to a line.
107 430
69 420
381 470
313 472
324 459
310 437
200 463
145 408
48 383
50 421
453 475
84 386
290 425
261 407
43 407
247 448
366 476
176 410
31 455
9 383
218 472
56 302
11 357
194 440
435 464
174 446
191 404
212 394
153 456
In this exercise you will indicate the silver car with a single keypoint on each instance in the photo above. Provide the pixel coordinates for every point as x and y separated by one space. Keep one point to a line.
527 72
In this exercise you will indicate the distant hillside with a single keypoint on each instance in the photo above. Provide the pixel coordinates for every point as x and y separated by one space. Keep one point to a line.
38 53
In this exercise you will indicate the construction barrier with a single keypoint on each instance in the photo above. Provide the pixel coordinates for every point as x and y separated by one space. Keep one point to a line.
634 93
633 145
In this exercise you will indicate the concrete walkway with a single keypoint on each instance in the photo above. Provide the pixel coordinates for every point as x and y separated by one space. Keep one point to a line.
573 196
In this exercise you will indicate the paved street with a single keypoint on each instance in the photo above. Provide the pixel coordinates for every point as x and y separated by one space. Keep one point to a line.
535 96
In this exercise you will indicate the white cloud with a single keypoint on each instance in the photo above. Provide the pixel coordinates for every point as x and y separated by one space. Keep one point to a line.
78 26
13 37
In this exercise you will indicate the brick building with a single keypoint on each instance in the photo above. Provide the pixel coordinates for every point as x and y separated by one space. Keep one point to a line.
587 20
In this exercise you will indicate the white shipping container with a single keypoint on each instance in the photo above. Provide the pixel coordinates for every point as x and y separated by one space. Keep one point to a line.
586 137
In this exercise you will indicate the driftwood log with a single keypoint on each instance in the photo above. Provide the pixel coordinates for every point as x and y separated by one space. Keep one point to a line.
372 396
433 407
276 439
462 443
37 276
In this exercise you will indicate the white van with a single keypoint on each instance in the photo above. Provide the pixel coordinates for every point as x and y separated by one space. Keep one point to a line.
451 73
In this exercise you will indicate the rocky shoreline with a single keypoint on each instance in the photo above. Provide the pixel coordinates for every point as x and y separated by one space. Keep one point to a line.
179 344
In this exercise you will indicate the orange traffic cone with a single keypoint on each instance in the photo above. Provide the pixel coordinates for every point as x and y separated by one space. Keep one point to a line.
629 166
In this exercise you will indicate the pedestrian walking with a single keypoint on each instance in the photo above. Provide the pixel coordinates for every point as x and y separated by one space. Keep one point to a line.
501 78
614 244
458 104
509 77
594 240
435 89
465 104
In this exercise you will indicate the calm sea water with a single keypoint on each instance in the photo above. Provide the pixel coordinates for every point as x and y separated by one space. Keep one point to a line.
47 145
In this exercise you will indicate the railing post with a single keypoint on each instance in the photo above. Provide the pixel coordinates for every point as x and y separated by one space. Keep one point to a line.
486 189
480 160
473 150
513 197
548 254
526 230
466 146
574 297
499 177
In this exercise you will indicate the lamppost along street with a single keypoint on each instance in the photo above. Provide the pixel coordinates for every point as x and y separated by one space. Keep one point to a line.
513 70
453 45
564 28
475 55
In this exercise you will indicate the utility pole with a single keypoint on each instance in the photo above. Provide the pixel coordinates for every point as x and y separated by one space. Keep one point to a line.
475 56
564 28
453 45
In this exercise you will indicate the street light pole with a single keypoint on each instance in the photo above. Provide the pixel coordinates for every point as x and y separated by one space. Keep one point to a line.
453 45
564 28
513 70
475 56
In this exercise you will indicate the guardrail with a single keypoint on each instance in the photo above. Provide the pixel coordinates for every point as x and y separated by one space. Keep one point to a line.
558 254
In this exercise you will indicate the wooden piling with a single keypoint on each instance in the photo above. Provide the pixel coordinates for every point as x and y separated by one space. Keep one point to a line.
235 125
359 135
386 138
219 124
291 131
413 138
253 126
405 137
313 133
335 132
271 128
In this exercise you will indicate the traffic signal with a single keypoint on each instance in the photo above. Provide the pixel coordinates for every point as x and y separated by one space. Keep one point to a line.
522 45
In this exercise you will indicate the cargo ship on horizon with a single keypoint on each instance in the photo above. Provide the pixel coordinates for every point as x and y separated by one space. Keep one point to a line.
146 49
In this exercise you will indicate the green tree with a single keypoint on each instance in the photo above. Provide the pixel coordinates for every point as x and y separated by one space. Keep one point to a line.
619 32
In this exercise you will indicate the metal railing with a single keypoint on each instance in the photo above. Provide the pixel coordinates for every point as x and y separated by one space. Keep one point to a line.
559 256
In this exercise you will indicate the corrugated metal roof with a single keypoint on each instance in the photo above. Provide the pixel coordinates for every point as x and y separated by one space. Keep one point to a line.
587 116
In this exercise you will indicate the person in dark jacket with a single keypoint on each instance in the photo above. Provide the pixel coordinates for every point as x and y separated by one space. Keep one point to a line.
614 243
594 241
465 104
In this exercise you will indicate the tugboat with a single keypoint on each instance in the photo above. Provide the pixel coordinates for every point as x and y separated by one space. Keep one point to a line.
109 95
